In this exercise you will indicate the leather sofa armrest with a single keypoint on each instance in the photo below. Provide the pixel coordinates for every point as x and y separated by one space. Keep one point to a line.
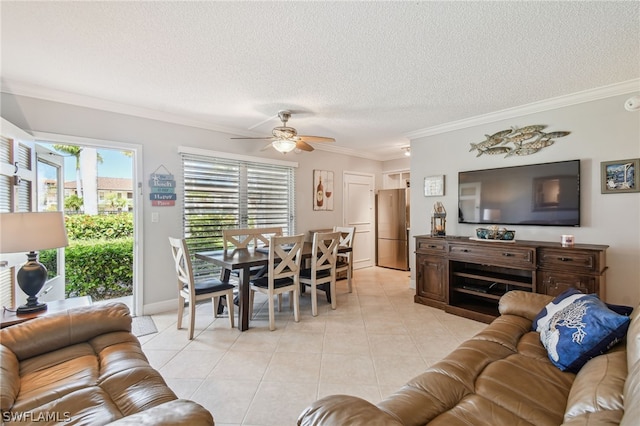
9 378
61 329
523 303
176 412
345 409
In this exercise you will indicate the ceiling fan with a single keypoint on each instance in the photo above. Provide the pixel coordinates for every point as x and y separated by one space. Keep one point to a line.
285 139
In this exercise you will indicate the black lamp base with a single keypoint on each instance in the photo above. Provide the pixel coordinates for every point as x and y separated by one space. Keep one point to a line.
31 279
29 309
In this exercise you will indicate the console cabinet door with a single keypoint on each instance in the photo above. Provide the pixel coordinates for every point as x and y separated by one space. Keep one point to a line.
554 283
431 277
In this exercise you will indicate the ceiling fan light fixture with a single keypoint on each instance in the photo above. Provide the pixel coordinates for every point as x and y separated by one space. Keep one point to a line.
284 145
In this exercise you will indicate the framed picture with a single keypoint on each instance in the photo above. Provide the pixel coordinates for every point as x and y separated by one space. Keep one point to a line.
434 186
323 190
619 176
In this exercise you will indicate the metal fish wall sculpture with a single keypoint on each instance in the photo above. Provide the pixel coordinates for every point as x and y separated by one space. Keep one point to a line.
517 141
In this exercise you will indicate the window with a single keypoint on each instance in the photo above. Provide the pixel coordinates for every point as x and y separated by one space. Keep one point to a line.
221 193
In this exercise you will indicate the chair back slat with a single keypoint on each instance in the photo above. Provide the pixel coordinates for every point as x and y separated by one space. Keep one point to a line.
187 286
324 251
347 234
285 256
248 237
182 259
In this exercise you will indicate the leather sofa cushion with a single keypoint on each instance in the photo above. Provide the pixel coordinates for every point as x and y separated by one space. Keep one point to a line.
522 303
598 387
177 412
52 379
633 339
632 385
346 410
63 329
502 376
10 378
89 370
631 397
483 379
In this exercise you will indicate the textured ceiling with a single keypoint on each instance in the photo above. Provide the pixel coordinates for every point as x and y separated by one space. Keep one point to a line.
365 73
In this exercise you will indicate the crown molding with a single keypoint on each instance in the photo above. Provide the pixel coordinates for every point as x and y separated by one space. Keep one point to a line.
53 95
590 95
346 151
40 92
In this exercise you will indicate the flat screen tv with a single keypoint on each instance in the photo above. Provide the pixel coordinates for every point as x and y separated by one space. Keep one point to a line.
534 194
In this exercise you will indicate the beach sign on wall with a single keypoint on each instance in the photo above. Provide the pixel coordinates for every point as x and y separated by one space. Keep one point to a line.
163 188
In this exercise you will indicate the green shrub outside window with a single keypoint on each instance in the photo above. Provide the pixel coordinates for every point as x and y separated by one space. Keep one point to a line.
99 257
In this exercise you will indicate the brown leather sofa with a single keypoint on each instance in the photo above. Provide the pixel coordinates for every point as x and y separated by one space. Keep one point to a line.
503 376
84 367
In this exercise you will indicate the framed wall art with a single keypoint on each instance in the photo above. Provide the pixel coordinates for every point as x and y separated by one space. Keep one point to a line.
619 176
434 186
323 190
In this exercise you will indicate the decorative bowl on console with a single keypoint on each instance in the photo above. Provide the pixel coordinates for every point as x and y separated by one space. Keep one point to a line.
495 233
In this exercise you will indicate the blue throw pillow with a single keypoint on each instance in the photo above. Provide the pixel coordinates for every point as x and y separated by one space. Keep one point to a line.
575 327
541 320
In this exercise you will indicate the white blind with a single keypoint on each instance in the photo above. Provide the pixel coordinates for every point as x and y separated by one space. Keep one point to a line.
223 193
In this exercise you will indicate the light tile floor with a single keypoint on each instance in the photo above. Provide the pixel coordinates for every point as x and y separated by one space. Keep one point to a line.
375 341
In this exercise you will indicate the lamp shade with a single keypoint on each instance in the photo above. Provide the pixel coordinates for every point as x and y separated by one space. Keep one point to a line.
23 232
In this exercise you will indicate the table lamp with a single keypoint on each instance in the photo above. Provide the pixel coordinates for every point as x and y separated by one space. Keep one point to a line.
28 232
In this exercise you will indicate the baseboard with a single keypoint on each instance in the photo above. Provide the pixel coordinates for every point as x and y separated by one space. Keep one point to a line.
160 307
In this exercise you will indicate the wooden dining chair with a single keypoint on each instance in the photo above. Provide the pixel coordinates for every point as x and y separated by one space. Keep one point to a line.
283 276
248 237
345 260
243 238
322 274
192 291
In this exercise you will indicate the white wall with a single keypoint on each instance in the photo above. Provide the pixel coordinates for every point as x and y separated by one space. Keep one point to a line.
160 141
600 131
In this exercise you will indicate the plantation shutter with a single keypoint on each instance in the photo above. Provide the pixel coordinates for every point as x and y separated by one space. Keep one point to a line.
17 194
225 193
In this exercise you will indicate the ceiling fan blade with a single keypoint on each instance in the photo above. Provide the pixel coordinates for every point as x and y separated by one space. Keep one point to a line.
262 122
263 138
307 138
302 145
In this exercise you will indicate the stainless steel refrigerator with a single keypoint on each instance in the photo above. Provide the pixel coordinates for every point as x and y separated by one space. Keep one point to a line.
392 227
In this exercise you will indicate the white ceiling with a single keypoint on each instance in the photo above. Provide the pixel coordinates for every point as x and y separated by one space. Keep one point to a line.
365 73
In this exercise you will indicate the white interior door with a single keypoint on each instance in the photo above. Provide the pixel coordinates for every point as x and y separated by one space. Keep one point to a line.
359 211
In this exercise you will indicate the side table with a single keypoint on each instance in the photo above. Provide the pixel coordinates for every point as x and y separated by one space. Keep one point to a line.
10 317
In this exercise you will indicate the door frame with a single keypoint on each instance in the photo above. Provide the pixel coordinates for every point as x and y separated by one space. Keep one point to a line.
54 287
138 205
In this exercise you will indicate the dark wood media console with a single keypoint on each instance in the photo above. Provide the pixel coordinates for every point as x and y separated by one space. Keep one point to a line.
467 277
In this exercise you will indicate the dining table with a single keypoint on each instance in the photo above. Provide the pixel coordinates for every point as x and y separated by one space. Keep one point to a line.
243 260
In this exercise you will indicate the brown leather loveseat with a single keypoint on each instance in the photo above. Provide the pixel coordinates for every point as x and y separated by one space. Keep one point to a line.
84 366
503 376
